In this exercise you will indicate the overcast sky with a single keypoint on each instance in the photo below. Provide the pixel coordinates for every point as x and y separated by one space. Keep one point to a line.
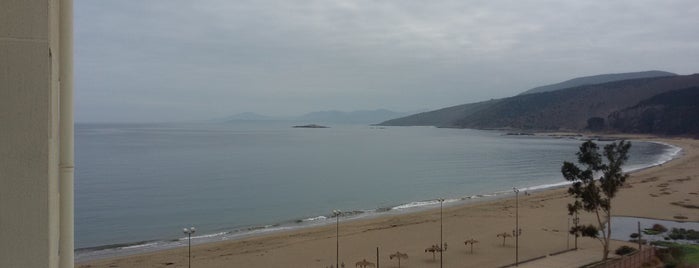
169 60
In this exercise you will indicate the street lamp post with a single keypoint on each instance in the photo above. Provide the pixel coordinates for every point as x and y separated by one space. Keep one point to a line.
441 240
189 233
576 220
516 232
337 214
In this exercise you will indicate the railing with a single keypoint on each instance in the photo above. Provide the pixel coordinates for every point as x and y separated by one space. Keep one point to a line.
537 258
636 259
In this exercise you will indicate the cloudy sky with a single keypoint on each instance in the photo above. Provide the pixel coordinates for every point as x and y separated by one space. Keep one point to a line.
171 60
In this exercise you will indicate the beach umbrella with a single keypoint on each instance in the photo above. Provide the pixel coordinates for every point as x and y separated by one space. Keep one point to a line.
434 249
398 255
504 235
471 241
364 263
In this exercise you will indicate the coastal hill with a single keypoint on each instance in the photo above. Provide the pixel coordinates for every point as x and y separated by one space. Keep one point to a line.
565 109
597 79
670 113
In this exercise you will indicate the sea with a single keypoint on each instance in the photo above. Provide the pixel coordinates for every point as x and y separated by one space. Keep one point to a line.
138 185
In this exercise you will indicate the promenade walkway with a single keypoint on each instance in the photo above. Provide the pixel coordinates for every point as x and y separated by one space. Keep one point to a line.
575 258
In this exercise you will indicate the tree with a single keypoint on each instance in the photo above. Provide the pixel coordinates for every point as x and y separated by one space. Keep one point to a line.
595 123
595 195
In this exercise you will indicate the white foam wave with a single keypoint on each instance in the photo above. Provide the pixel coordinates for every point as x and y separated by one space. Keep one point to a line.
314 219
140 246
205 236
545 186
670 153
421 204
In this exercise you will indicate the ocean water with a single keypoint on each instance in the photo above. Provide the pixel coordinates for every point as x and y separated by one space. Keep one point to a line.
138 185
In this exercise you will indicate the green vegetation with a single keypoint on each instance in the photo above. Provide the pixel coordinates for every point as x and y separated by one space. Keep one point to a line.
651 232
678 255
595 195
655 230
673 112
683 234
624 250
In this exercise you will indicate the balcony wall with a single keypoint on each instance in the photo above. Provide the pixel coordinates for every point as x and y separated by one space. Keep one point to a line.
29 133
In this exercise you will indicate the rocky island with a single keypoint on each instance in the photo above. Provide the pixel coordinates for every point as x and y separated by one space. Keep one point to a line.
310 126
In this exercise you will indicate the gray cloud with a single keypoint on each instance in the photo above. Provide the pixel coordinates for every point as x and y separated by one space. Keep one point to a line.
182 60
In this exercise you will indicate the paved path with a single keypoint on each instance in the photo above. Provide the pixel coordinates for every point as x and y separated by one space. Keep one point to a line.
574 258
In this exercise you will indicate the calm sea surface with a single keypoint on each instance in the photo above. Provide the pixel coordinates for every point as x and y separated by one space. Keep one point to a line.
146 182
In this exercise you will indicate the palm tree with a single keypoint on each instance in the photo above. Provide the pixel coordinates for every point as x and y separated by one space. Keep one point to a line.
471 241
398 255
504 235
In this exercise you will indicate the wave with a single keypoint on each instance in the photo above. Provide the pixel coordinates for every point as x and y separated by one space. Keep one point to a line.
419 204
205 236
140 245
669 153
318 218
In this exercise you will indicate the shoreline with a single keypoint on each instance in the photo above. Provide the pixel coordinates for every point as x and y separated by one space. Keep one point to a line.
379 221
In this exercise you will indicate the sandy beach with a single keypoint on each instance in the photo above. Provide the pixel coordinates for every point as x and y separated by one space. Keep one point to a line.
670 191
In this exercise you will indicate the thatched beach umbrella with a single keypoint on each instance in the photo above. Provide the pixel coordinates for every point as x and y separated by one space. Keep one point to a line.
471 241
364 263
504 235
398 255
333 266
436 248
432 249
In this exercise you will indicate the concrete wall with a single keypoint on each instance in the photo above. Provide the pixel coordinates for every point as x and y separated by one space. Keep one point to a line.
29 212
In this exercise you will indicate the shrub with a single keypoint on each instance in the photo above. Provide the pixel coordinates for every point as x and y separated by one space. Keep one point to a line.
624 250
659 228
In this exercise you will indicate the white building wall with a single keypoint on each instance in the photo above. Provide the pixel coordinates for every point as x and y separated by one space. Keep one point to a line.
29 119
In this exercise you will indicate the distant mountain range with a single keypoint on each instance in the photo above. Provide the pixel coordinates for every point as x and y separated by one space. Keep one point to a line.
567 109
248 117
325 117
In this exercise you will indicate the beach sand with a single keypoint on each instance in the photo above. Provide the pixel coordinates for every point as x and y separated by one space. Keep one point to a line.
667 192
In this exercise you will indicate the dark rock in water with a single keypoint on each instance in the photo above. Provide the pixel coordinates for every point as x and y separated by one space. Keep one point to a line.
311 126
519 134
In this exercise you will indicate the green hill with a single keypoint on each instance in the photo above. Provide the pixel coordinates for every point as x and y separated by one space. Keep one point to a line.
671 113
597 79
566 109
441 118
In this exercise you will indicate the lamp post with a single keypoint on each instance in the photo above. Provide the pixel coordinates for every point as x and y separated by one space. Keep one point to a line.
189 233
576 220
516 232
568 236
337 214
441 242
